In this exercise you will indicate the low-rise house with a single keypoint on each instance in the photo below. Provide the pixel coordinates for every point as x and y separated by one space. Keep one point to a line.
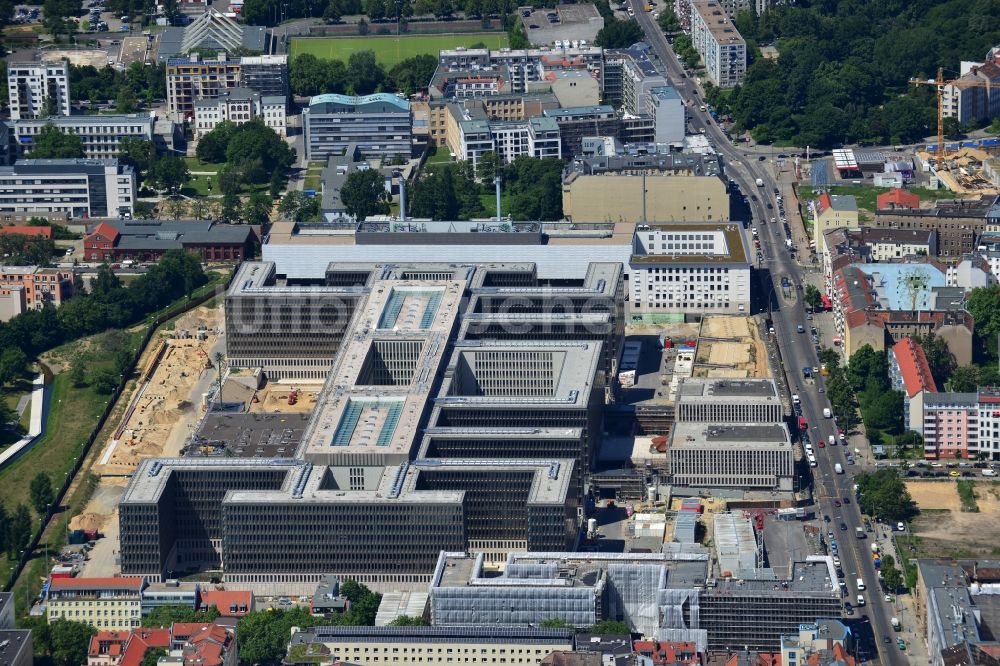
148 240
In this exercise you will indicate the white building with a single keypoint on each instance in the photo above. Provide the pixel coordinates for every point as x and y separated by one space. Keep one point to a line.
975 95
80 188
718 42
101 135
535 137
239 106
748 456
691 268
973 270
38 89
667 109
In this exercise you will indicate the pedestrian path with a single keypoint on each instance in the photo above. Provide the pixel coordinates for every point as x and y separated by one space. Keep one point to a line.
36 426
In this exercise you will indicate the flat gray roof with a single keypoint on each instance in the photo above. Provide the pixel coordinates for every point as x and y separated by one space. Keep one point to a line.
689 435
725 390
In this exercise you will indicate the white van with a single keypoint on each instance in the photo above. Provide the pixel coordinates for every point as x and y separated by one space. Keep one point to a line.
831 441
989 472
812 460
861 600
827 414
861 585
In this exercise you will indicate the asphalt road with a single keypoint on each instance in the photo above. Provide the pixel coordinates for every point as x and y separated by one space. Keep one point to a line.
797 349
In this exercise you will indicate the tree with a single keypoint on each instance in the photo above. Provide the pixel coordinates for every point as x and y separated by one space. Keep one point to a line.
813 297
139 153
13 365
164 616
969 378
298 206
41 493
53 144
364 194
867 367
668 21
883 494
170 174
230 211
263 636
408 621
70 641
983 303
940 359
413 74
891 576
176 207
618 34
555 623
257 208
212 147
20 532
104 381
615 627
4 529
152 656
364 74
276 184
488 166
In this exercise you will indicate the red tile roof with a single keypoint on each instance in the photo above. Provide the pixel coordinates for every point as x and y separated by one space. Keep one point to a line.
898 198
136 642
114 583
44 232
668 652
207 647
229 602
105 230
823 203
913 367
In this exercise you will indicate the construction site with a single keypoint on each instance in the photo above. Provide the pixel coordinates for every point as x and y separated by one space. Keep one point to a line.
174 381
966 171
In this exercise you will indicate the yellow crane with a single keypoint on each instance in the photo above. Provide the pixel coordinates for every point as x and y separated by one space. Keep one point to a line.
940 84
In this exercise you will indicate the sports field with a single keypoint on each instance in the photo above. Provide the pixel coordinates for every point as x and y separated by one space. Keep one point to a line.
391 49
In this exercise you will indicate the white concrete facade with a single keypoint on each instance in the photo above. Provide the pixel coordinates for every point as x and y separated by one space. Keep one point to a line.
723 51
38 89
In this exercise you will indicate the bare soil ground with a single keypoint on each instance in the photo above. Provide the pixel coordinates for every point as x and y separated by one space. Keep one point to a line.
944 530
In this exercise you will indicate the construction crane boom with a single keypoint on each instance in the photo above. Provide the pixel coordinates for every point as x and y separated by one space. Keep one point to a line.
939 83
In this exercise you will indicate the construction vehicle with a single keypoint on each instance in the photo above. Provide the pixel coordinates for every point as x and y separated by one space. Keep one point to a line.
940 84
293 397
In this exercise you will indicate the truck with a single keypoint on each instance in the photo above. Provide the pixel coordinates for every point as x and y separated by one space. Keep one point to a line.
838 468
896 626
760 182
803 425
807 372
859 532
827 414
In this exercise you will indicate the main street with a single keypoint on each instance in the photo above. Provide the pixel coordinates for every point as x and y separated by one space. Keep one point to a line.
797 349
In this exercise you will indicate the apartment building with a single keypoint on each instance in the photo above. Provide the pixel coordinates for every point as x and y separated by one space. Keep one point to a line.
78 187
826 641
101 135
381 125
910 373
457 646
897 244
705 400
193 78
25 288
645 188
239 106
749 456
103 603
535 137
629 79
38 89
266 75
521 67
958 222
832 211
576 123
723 51
669 117
696 268
974 97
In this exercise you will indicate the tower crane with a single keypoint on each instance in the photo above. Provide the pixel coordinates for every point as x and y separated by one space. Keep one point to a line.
940 84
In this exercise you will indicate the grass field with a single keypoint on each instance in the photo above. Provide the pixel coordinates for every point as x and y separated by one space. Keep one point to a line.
390 49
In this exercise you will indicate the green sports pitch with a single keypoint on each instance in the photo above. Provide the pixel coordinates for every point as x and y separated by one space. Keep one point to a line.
391 49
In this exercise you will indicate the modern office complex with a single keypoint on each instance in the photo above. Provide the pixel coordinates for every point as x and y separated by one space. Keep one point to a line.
712 400
458 646
509 139
380 125
757 456
239 106
101 135
669 116
670 599
37 89
719 43
78 187
689 267
397 371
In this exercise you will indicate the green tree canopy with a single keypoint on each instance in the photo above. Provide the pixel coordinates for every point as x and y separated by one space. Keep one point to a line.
618 34
615 627
812 297
41 493
868 367
884 494
364 194
164 616
170 174
940 359
69 642
53 144
983 303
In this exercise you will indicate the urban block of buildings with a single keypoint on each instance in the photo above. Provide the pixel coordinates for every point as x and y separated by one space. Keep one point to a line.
193 78
81 188
400 365
720 45
962 425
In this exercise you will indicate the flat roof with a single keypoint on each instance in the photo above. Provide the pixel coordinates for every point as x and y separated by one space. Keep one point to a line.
248 435
735 251
725 390
491 634
695 435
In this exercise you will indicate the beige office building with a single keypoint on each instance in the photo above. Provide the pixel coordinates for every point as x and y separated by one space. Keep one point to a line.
104 603
669 197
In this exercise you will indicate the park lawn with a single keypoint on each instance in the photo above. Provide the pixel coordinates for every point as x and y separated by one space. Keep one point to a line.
196 165
390 49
